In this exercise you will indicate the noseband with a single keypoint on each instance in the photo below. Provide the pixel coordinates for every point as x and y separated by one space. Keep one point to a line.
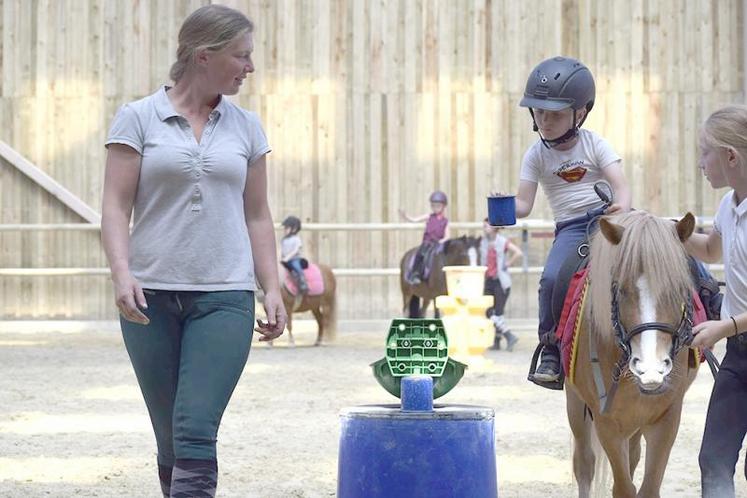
681 336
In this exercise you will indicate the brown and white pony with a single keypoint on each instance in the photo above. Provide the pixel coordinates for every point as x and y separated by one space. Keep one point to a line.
636 327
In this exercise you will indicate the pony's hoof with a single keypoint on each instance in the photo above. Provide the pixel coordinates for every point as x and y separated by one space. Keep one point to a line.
318 343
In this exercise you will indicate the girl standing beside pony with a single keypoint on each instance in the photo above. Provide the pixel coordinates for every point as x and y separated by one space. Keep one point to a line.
723 156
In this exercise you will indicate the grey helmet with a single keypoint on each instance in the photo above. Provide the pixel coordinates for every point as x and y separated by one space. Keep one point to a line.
556 84
438 196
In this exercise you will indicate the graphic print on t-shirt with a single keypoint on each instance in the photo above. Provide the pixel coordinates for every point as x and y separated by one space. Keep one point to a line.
572 170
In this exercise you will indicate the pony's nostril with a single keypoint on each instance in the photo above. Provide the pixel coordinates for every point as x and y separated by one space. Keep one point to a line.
635 362
667 363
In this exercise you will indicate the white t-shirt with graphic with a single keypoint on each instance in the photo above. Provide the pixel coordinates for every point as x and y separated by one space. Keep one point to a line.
567 176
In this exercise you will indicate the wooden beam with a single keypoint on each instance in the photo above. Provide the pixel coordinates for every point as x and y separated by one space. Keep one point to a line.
49 184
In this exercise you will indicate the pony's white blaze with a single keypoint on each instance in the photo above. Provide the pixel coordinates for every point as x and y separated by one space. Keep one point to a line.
472 253
648 364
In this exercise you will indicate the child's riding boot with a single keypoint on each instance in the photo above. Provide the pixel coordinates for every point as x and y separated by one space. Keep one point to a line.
549 367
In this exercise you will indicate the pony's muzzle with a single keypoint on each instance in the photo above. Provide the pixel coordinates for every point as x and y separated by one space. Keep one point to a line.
650 374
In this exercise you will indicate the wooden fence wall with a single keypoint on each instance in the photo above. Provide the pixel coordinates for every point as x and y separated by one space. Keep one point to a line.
369 105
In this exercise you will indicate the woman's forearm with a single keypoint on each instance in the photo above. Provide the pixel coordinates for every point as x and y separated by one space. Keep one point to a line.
264 251
115 237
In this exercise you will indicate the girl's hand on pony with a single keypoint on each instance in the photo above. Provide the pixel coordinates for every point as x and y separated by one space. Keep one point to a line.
709 333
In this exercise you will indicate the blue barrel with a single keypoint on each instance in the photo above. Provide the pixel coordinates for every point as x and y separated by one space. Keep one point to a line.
386 452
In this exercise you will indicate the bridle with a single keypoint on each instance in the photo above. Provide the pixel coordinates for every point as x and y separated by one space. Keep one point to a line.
682 336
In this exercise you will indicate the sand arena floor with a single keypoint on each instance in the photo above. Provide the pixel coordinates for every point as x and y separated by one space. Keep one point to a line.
72 422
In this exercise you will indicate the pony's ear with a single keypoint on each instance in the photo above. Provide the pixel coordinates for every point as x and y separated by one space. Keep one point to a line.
611 231
685 227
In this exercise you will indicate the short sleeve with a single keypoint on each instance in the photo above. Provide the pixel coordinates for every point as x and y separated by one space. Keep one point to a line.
530 169
126 129
258 145
605 154
718 220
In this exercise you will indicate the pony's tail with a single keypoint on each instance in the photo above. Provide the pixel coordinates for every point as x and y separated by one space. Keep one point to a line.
330 315
601 485
330 308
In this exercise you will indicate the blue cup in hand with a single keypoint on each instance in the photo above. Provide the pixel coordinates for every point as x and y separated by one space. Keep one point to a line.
502 210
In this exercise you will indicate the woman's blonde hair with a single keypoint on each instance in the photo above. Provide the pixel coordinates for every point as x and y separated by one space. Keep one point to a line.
211 27
727 128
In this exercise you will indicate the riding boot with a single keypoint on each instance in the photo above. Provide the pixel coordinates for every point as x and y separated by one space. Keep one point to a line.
511 340
164 477
413 276
549 368
193 478
303 287
496 341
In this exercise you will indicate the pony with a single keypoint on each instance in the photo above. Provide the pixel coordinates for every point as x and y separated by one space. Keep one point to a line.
462 250
323 307
632 362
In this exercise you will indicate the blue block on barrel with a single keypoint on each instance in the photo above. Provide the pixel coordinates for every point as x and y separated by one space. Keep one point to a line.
386 452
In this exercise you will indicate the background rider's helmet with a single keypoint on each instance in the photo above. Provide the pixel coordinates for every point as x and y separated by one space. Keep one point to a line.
293 223
556 84
439 196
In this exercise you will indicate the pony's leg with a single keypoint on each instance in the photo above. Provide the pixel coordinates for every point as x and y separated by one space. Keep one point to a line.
583 454
617 449
317 312
659 440
635 451
289 326
414 307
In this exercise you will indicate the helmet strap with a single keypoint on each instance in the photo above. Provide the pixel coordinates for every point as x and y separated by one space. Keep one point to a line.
567 136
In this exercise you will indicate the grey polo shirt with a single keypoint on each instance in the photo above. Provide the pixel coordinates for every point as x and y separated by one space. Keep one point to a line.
189 231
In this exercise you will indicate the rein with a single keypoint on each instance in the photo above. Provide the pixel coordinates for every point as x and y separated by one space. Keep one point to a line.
681 337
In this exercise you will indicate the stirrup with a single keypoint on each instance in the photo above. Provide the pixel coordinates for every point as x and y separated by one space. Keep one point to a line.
555 385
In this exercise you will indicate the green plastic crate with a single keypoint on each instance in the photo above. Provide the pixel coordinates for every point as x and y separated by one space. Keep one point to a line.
417 346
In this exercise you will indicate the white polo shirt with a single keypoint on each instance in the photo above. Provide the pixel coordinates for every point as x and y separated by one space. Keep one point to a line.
189 231
731 223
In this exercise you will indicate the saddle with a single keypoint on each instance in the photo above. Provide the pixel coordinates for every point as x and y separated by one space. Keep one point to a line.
314 280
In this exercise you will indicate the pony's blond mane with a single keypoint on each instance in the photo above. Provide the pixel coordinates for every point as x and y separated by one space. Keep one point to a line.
649 246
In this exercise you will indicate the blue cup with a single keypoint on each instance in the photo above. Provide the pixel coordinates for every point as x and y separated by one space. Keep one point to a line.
502 210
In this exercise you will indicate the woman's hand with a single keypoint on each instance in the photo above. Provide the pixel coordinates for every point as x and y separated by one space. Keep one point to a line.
129 297
709 333
276 317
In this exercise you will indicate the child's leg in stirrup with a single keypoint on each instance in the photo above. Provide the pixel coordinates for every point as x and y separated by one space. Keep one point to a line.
414 276
567 237
300 277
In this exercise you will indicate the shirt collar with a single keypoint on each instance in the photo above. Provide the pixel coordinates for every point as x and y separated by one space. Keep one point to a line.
738 210
165 110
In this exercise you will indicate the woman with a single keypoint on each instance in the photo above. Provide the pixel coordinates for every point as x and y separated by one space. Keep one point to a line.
192 167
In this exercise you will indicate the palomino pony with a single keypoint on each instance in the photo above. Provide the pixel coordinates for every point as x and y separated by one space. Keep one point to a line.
323 307
636 326
459 251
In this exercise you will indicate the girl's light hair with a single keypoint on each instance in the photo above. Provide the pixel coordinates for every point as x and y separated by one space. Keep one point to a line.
727 128
211 27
